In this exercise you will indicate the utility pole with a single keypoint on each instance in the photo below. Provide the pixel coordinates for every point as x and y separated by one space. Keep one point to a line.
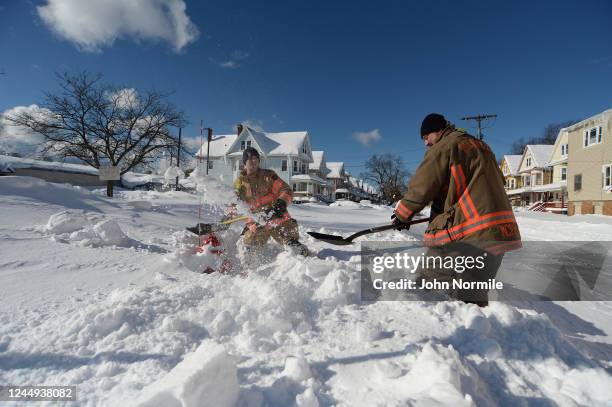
210 131
209 139
478 119
178 160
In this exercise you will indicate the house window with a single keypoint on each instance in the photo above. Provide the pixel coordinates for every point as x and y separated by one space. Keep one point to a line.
528 162
294 187
304 149
593 136
564 150
284 165
295 167
302 187
303 168
599 134
538 178
577 182
607 174
527 180
244 144
563 173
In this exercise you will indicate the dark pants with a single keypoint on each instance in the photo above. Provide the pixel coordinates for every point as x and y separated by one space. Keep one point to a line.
453 267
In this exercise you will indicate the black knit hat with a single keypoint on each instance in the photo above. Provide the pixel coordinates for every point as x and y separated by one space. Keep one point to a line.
433 122
248 153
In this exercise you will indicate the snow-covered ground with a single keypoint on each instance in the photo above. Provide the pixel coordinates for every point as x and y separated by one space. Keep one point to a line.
100 293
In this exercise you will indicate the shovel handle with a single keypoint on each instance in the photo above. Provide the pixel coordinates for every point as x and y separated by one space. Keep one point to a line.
382 229
238 219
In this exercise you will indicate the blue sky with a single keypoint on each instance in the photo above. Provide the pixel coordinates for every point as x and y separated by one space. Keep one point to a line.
334 68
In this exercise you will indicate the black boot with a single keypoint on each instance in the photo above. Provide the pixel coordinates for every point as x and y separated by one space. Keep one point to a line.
200 229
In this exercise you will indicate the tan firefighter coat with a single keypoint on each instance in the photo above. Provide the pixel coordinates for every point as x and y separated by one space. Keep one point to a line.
261 190
460 178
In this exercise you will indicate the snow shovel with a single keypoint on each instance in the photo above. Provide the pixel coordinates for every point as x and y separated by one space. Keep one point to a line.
342 241
206 228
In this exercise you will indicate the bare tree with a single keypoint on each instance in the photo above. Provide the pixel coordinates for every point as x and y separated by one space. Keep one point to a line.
548 136
389 173
103 125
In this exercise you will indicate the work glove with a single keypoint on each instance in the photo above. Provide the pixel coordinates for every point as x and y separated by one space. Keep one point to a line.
399 225
279 207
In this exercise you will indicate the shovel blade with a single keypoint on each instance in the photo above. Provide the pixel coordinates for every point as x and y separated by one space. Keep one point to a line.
206 228
331 239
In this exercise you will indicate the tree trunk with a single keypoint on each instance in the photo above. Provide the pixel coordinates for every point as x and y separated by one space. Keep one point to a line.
109 188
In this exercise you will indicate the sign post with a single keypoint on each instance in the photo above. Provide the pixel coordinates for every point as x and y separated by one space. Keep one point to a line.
109 173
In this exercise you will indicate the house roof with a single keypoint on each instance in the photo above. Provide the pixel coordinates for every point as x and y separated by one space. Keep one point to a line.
8 162
307 177
335 169
541 153
513 161
286 143
218 146
586 121
317 157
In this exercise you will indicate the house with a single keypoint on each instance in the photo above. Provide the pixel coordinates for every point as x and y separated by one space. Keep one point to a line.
289 154
513 181
337 177
589 165
558 162
536 175
318 186
75 174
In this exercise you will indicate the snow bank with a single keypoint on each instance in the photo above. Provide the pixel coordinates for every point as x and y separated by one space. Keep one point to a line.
206 377
66 222
85 229
347 204
294 327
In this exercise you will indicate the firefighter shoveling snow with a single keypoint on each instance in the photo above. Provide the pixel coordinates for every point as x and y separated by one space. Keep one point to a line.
100 294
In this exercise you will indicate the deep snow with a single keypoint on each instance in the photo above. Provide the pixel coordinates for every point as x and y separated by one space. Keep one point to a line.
100 293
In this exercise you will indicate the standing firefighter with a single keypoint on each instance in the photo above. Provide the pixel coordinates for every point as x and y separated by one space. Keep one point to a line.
470 212
267 195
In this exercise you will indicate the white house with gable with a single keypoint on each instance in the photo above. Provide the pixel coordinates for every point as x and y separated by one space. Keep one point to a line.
536 173
289 154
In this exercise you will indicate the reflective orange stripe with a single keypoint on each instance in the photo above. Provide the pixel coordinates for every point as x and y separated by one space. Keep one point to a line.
507 214
449 236
466 191
403 210
463 196
277 186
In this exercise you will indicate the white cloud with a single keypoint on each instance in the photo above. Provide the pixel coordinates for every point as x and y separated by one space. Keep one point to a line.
367 137
229 64
94 24
125 98
234 61
20 140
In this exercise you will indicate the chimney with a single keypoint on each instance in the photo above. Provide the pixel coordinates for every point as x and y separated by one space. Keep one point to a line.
238 129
